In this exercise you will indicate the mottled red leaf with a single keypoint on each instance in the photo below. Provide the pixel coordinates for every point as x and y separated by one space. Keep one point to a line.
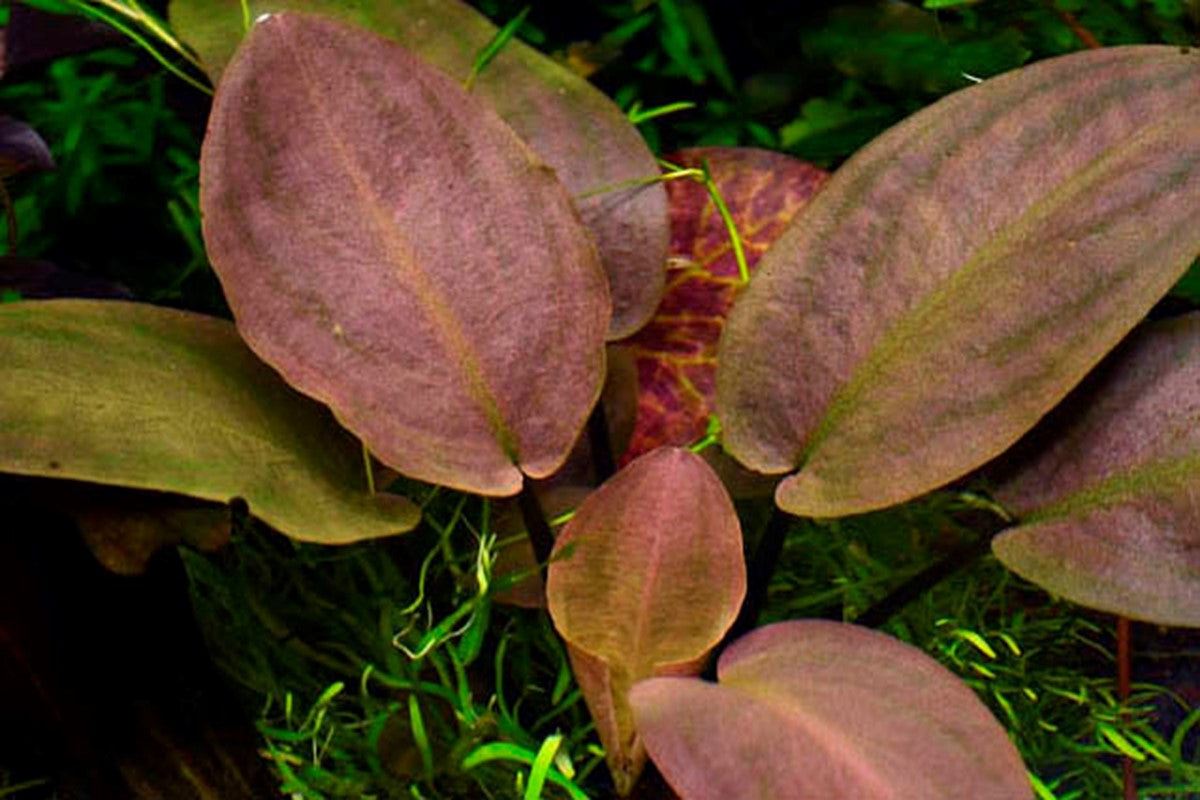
570 124
1108 490
676 352
394 250
954 280
814 710
645 580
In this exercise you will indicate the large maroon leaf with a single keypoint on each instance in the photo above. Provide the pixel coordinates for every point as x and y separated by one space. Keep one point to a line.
645 580
393 249
571 125
956 278
819 710
152 398
1108 492
676 352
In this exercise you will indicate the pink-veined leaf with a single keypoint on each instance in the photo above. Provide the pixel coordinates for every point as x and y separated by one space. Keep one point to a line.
676 352
645 579
569 123
811 710
394 250
952 282
135 395
1107 492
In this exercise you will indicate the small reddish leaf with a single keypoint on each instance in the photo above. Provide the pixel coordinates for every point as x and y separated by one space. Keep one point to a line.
819 710
392 248
676 352
134 395
124 537
569 123
645 580
954 280
1108 489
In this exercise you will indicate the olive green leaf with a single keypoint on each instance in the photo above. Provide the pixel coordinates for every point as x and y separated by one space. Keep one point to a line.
135 395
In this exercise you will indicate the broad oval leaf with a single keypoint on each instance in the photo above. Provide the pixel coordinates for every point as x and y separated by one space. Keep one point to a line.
818 709
569 123
676 352
1108 493
389 245
135 395
953 281
645 579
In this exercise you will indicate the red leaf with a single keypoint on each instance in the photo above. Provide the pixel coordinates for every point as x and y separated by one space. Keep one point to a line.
817 709
390 246
676 352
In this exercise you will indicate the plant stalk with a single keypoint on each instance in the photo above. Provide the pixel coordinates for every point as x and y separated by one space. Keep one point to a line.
1124 686
957 559
540 535
598 442
759 570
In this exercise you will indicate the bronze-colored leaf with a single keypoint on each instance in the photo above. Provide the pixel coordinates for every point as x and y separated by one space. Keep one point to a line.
392 248
124 539
1108 490
819 709
952 282
570 124
134 395
645 580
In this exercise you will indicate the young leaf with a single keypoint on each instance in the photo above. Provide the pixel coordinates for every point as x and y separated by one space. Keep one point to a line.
676 352
1107 490
819 709
570 124
134 395
956 278
645 580
388 244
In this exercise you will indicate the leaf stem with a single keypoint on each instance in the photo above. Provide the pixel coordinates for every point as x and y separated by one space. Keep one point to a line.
540 535
759 570
1124 681
957 559
599 443
1086 37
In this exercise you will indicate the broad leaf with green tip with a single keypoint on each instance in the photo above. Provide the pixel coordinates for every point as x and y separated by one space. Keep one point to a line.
645 580
570 124
394 250
134 395
1108 490
952 282
819 710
